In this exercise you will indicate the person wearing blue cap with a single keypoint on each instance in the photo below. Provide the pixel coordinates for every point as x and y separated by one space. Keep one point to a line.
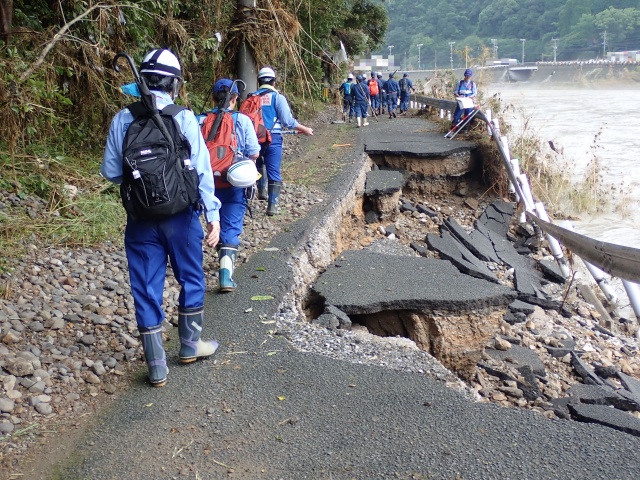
244 143
392 89
361 100
406 85
465 88
347 98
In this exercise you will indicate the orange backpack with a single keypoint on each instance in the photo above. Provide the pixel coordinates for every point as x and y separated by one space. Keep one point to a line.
252 108
373 87
222 147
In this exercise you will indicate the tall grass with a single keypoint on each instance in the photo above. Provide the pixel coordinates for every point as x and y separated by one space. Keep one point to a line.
55 201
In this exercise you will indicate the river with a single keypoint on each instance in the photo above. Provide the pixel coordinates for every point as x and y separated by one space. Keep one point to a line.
572 118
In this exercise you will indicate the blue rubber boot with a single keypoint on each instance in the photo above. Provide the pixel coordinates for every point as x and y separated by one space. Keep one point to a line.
227 255
155 357
274 198
189 330
262 181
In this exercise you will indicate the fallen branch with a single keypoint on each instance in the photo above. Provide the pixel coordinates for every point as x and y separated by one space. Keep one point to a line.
27 73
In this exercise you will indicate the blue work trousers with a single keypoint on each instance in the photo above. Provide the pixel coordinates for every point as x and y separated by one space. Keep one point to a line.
361 108
272 156
457 114
347 105
234 205
375 101
148 243
404 101
392 101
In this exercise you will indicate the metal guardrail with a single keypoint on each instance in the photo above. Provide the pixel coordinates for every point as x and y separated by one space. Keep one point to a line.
617 260
436 102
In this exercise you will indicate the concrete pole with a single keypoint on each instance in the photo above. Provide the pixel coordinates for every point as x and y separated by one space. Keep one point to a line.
245 61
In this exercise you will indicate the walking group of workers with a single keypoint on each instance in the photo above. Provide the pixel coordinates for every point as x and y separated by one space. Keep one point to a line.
374 95
221 196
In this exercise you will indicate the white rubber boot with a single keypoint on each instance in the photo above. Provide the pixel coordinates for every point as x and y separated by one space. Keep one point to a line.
359 121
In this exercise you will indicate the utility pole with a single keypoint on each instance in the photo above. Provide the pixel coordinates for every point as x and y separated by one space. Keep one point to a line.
555 48
390 47
523 40
466 56
451 44
419 45
435 57
604 44
495 48
246 63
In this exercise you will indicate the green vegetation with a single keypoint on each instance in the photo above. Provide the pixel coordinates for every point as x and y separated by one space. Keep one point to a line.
58 91
578 25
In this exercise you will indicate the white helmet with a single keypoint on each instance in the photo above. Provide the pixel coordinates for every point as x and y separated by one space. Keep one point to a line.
161 62
242 174
350 76
266 73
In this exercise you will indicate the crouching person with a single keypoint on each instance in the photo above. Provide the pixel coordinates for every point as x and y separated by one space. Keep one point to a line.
167 223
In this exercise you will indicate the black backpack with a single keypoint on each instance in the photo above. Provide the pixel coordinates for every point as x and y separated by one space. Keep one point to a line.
158 179
404 85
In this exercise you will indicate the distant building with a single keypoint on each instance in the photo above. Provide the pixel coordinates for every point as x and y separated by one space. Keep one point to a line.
629 56
375 63
500 61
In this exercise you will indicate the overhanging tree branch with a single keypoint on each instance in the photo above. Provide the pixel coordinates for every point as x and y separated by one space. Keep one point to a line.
61 33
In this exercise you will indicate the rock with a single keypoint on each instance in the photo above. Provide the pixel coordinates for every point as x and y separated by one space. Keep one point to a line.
19 367
6 427
6 405
88 339
43 408
501 344
10 338
498 396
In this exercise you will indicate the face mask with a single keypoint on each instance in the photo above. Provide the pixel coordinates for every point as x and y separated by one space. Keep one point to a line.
131 89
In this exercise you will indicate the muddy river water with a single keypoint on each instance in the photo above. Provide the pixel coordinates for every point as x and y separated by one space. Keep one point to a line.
572 118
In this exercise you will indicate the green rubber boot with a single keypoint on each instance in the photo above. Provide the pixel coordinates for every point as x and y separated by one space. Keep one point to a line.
155 356
274 198
263 193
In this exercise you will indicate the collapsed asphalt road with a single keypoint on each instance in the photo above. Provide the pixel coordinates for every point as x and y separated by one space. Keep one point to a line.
261 409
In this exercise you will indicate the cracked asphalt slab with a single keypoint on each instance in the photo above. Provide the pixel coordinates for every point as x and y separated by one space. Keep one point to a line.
261 409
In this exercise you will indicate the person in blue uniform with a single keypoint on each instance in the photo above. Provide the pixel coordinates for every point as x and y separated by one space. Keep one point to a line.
383 95
179 237
347 99
392 89
406 86
361 99
277 114
234 202
465 88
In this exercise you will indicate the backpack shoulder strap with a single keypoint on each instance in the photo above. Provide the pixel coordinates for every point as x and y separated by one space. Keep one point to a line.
173 109
137 109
